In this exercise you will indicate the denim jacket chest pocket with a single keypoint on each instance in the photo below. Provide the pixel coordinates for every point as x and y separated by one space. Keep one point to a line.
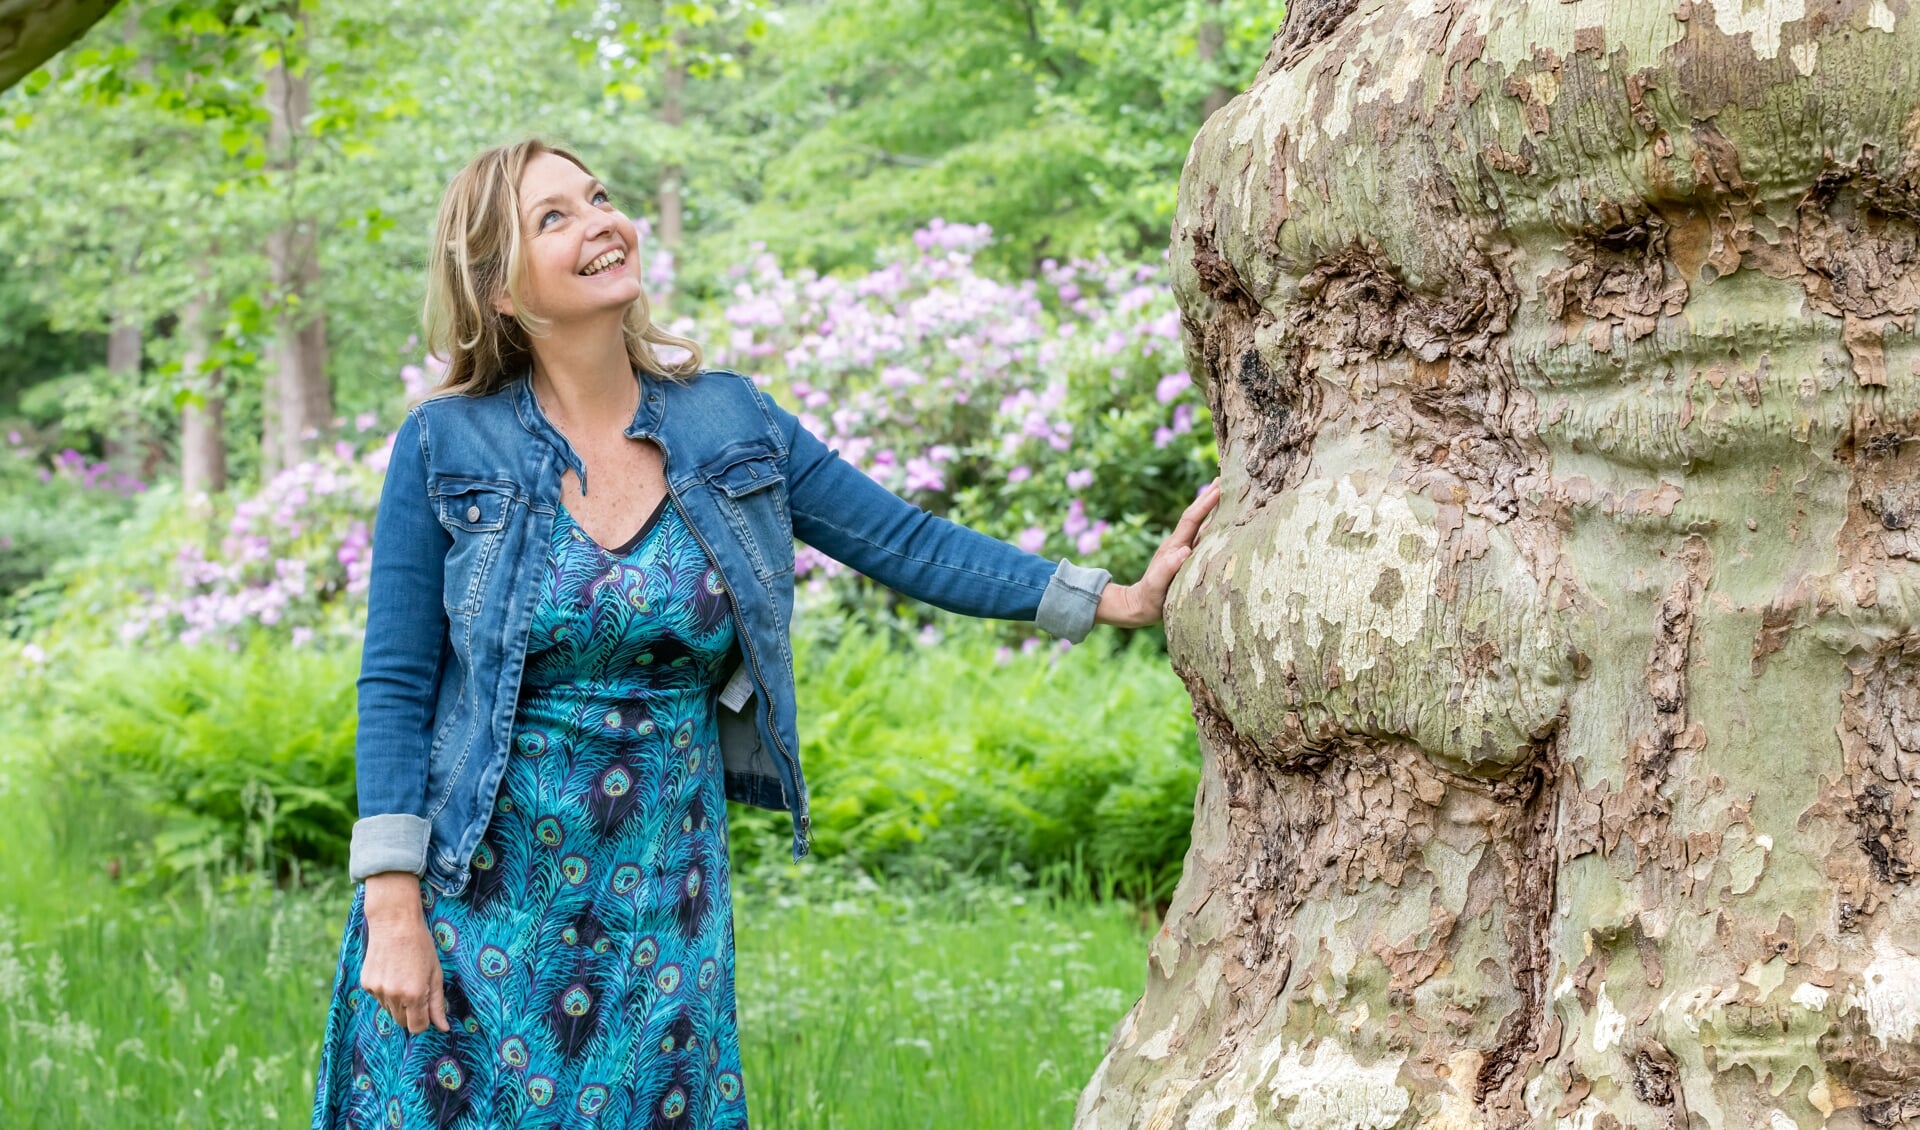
474 513
752 493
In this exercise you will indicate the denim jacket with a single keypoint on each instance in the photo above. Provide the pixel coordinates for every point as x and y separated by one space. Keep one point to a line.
470 498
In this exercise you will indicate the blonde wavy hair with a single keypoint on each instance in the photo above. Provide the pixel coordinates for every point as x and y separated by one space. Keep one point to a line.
478 254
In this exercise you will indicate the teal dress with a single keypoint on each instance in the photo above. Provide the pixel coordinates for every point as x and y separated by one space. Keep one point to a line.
589 964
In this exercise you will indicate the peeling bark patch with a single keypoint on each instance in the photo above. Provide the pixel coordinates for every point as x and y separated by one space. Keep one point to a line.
1644 815
1353 306
1455 414
1526 845
1654 1077
1859 236
1895 1113
1307 22
1217 277
1887 479
1880 743
1265 413
1880 739
1620 274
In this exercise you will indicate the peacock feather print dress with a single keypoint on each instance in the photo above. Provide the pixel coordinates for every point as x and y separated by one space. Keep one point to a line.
588 965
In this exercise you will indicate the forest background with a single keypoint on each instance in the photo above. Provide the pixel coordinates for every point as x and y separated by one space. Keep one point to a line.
934 228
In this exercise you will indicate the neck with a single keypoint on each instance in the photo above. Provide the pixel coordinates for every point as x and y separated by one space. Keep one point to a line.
583 374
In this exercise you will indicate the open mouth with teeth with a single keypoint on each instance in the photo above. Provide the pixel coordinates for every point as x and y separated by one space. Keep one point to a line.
605 262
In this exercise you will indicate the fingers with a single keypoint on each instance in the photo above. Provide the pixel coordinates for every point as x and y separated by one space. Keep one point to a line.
437 1005
414 1010
1196 511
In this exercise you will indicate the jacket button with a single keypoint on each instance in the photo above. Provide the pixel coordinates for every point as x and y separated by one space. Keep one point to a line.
473 513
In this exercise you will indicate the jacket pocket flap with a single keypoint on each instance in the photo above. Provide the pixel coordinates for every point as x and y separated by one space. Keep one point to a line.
476 507
748 475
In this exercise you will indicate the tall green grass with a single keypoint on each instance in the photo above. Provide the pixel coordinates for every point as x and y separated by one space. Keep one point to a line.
200 1002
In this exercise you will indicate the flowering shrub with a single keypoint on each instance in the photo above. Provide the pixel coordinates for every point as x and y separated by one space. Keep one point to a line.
291 558
1055 413
53 508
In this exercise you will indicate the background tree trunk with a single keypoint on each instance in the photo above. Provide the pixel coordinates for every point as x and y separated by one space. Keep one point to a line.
203 445
125 348
1211 37
298 400
1554 647
672 113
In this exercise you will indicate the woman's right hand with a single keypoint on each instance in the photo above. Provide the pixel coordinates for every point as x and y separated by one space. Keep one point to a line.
402 967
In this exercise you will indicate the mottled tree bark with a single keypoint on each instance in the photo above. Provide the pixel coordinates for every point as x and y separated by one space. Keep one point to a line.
1554 648
32 31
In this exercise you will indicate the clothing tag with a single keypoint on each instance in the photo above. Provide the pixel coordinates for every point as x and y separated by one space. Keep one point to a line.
738 690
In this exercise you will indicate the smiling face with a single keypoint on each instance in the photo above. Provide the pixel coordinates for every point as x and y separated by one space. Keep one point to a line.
578 250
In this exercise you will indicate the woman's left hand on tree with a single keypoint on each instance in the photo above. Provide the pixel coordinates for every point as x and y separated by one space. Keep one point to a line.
1139 604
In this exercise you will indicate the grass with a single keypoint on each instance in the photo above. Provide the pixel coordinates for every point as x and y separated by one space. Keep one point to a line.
200 1004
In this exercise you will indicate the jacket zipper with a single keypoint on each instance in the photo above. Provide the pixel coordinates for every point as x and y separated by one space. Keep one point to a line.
753 658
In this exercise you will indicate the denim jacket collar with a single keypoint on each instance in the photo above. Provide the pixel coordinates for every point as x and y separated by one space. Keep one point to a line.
648 416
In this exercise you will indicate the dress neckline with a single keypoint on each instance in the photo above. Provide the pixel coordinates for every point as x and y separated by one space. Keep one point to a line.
627 547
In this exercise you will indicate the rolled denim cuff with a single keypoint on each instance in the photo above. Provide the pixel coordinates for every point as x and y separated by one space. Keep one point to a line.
394 841
1067 605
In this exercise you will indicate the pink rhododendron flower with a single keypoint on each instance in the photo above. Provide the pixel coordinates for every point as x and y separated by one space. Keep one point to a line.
1076 522
1032 539
1079 480
1171 386
923 475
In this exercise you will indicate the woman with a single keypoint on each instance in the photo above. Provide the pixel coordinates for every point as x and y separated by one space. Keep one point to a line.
562 687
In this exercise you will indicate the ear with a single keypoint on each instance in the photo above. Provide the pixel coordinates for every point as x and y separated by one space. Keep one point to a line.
502 304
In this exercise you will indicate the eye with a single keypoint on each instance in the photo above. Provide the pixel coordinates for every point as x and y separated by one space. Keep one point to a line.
600 196
550 215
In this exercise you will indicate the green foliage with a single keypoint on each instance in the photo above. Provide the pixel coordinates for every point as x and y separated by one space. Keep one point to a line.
968 756
922 760
211 756
135 169
1063 125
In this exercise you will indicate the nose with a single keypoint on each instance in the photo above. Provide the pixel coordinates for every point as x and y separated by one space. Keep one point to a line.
599 225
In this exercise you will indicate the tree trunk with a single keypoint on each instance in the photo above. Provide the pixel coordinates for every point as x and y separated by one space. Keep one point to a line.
672 113
1554 648
1211 38
298 401
33 31
203 446
124 351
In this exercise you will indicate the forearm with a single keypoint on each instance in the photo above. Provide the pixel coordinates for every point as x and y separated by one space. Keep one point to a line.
401 662
842 512
393 899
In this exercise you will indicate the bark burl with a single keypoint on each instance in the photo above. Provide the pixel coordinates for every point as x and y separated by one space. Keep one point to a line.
1556 647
